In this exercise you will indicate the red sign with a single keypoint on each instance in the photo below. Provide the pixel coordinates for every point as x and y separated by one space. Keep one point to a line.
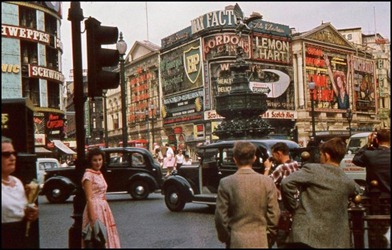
177 130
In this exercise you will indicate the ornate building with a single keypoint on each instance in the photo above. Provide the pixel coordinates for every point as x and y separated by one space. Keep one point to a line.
31 51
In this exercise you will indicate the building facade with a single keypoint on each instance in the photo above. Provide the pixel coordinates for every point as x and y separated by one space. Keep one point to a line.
31 52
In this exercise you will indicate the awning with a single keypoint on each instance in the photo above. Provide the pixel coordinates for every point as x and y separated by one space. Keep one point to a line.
42 150
60 145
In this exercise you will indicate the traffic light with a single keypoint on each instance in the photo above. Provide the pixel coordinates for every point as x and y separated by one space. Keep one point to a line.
98 58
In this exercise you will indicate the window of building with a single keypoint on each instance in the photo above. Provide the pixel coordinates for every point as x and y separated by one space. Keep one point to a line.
52 58
50 24
53 95
29 54
27 17
30 89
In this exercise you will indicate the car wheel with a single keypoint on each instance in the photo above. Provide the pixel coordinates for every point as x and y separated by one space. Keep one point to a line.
139 190
173 199
57 194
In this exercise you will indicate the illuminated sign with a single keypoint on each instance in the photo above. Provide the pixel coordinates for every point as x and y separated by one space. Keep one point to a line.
180 69
224 44
271 49
25 33
45 73
10 68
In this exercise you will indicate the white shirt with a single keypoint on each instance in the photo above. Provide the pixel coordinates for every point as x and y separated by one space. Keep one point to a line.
180 158
169 151
13 202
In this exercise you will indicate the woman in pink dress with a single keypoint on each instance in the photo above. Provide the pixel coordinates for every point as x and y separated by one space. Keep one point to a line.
97 208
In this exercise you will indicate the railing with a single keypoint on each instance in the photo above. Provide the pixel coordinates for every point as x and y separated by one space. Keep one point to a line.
370 216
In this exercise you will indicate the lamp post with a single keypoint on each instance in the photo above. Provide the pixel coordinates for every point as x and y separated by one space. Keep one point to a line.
104 92
148 129
122 48
152 123
312 86
349 116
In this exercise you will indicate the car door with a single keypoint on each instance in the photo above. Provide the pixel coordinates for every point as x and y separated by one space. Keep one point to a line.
210 175
118 170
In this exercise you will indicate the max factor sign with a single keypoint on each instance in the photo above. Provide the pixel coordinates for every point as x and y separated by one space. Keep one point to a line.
226 18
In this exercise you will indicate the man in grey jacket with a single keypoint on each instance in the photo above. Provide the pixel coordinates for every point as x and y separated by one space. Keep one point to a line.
318 195
247 206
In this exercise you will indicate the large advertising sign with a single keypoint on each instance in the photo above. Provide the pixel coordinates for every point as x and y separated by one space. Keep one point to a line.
224 45
364 84
329 70
184 107
273 80
267 48
226 19
181 69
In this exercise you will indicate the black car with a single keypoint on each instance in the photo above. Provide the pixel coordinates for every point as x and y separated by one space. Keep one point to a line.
129 169
198 183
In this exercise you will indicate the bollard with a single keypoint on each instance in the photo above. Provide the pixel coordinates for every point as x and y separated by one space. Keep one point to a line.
357 214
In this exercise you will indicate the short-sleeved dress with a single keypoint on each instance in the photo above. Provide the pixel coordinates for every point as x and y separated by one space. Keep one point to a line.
101 207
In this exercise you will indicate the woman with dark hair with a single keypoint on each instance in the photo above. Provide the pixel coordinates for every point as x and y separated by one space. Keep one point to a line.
97 208
15 211
339 85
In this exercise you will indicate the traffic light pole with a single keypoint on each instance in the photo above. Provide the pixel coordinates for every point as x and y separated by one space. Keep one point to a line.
75 15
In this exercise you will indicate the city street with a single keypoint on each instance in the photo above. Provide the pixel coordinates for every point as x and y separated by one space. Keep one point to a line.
141 224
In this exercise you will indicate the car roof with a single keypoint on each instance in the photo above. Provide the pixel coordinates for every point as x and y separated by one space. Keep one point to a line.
268 142
47 159
364 134
133 149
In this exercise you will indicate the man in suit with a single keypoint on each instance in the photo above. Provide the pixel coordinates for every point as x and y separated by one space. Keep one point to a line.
247 206
320 216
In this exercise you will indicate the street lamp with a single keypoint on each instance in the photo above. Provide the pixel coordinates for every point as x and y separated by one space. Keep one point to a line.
152 122
147 129
104 92
349 116
312 86
122 48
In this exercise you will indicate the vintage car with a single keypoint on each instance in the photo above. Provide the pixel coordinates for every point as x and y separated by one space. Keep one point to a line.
131 169
198 183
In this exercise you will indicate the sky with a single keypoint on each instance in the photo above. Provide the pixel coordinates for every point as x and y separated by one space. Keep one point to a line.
153 21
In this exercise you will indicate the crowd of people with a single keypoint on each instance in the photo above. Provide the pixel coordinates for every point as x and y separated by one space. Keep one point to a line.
296 207
171 159
287 205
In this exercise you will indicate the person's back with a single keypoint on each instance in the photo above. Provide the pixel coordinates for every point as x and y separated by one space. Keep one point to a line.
247 207
376 160
320 216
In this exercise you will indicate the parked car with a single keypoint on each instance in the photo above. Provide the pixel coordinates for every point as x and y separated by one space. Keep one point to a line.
131 169
355 142
44 164
198 183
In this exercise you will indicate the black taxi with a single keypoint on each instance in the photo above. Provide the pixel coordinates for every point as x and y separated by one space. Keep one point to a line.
198 183
130 169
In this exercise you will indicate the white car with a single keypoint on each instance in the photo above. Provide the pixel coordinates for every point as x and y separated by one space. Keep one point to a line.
357 173
42 165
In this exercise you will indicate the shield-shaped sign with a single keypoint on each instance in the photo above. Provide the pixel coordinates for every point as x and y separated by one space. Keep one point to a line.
192 63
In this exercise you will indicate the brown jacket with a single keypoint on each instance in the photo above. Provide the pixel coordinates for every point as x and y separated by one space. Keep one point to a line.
246 209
